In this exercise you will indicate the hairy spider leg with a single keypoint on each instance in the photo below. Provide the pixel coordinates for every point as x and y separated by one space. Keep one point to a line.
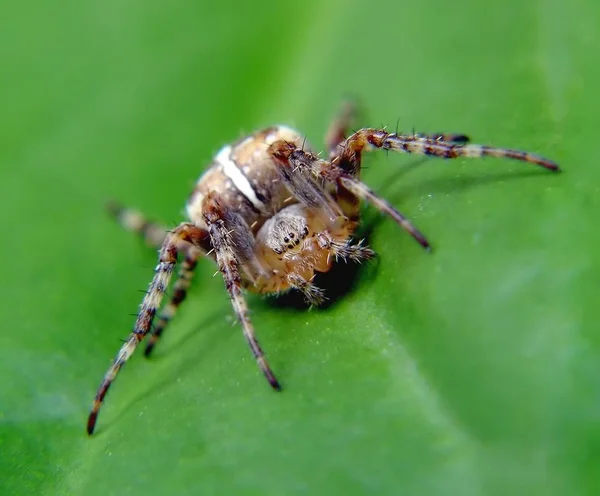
338 130
361 190
180 289
221 226
162 276
370 138
154 234
313 295
353 252
446 137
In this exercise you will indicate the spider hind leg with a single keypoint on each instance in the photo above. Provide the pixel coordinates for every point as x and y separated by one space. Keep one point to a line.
132 220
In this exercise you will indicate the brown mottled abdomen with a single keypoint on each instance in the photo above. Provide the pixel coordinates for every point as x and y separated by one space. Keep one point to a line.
245 179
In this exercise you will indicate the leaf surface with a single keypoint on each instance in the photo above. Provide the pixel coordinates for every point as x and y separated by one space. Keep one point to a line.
474 369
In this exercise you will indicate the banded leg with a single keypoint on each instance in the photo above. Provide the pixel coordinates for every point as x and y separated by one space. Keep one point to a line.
346 250
132 220
353 252
150 304
180 289
220 225
291 157
361 190
368 138
446 137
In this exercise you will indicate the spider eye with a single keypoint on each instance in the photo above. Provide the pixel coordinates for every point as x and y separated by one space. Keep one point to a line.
285 239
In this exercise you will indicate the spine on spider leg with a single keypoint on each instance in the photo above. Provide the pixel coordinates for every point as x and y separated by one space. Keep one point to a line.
354 252
143 323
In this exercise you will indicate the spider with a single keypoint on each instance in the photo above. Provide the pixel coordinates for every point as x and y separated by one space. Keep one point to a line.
272 214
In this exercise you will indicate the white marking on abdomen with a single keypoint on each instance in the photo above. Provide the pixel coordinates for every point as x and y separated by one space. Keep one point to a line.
239 180
282 132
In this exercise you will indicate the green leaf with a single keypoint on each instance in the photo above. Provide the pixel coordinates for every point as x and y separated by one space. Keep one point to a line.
474 369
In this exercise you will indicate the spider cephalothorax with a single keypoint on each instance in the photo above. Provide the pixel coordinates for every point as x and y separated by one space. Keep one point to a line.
272 214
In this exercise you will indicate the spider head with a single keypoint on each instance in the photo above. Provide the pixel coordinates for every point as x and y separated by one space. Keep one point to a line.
286 232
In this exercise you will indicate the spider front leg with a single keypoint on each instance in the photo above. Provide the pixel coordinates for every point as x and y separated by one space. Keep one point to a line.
184 233
232 242
369 138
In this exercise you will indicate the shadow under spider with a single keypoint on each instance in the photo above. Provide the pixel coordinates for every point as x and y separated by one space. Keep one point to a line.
440 185
341 280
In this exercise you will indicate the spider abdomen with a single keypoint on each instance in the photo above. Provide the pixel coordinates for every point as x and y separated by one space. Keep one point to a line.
244 178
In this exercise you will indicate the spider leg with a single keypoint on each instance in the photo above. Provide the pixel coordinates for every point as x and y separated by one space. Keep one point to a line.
312 293
369 138
462 139
345 250
132 220
180 288
361 190
228 239
162 276
354 252
289 156
340 126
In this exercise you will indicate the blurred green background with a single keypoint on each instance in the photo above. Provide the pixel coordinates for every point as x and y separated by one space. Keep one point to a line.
473 370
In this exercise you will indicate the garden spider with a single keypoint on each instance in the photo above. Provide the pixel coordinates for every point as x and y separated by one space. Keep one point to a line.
272 214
